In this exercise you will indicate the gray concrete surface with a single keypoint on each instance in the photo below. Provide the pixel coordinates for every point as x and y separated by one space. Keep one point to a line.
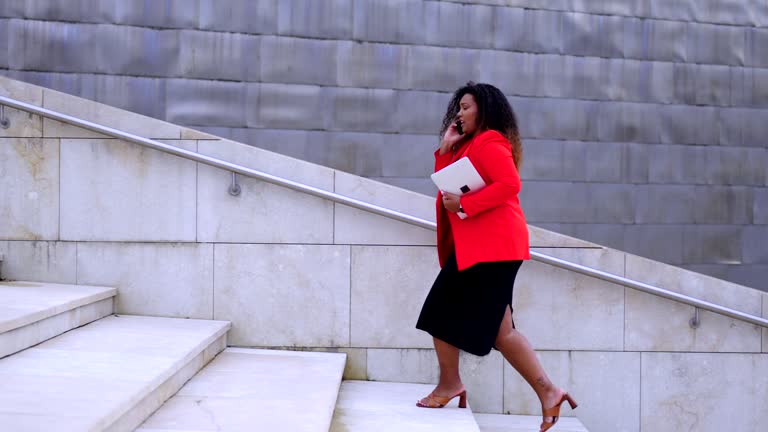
644 121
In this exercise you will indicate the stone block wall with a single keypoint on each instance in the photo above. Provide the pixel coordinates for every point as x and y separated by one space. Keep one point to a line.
643 119
294 271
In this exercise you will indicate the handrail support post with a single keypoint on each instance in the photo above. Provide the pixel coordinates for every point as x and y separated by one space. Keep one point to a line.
5 122
695 322
234 188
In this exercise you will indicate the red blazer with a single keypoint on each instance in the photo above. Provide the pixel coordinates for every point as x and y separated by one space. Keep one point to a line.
495 227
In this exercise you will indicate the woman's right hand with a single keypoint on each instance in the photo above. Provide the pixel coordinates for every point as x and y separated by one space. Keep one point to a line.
450 138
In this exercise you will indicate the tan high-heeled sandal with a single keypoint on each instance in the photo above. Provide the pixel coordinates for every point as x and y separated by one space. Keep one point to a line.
434 401
554 412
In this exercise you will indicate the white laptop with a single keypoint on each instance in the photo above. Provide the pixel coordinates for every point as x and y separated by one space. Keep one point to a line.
459 178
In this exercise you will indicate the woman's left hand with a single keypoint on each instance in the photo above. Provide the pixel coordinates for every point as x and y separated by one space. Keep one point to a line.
451 202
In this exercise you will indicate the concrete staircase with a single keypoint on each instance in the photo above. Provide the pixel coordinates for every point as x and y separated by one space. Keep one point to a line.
252 389
365 406
71 365
107 375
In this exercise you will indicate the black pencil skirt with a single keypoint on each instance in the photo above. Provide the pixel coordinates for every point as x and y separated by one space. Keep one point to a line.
465 308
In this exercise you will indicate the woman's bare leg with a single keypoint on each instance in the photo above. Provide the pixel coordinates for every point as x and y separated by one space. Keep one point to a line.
448 358
519 353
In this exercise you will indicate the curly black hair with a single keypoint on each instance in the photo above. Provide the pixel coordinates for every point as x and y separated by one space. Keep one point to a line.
493 112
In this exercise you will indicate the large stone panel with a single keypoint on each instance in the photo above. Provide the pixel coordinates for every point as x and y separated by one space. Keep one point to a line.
263 212
679 164
657 324
661 242
398 21
482 376
627 122
686 391
529 30
458 25
760 206
143 51
680 124
743 127
424 75
597 306
373 65
637 161
59 10
288 60
328 19
39 261
244 16
716 44
389 285
130 192
712 243
288 106
679 10
367 110
566 119
53 46
605 384
589 203
219 56
664 204
590 78
659 40
737 166
29 188
753 244
165 14
103 115
543 160
592 162
21 124
757 47
156 279
593 35
5 34
403 365
145 96
283 295
519 74
214 103
422 113
353 226
722 205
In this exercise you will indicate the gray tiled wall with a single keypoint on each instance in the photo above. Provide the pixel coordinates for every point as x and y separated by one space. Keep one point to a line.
644 120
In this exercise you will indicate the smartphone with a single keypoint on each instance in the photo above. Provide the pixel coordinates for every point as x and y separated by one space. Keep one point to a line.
459 127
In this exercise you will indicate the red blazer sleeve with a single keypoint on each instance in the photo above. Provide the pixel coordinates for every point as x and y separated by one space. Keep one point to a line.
494 162
442 161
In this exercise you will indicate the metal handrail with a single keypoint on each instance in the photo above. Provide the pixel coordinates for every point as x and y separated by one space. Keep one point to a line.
372 208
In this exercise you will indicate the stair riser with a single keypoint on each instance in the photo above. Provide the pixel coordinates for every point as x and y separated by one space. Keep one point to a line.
30 335
150 403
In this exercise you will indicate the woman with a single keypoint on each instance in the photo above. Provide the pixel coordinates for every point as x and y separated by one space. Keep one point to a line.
470 304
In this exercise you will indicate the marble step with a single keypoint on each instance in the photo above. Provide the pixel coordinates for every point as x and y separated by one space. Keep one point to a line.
366 406
32 312
255 390
517 423
109 375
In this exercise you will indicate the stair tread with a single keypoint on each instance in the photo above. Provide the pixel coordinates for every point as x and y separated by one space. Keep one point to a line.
377 406
254 389
23 303
520 423
89 377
